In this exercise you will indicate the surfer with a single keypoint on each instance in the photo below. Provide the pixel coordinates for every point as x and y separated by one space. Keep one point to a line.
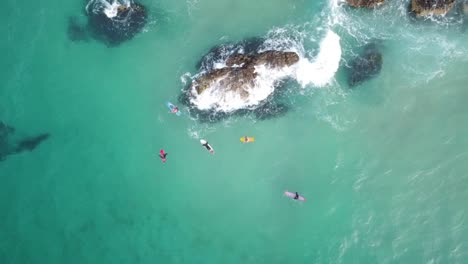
246 139
163 155
295 196
207 146
175 109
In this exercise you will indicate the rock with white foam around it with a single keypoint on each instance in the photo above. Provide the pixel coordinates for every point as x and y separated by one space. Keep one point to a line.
116 21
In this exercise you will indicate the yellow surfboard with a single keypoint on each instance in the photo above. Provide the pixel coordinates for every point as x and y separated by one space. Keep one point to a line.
250 139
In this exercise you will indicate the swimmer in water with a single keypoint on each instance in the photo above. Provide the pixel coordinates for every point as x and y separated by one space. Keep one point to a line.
163 155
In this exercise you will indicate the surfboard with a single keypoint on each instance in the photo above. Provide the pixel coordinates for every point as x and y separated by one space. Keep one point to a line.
251 139
292 195
171 107
210 148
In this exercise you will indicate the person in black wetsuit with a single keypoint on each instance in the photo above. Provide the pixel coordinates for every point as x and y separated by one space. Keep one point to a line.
208 147
296 196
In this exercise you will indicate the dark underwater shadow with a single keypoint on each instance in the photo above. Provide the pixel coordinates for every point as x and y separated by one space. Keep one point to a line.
11 146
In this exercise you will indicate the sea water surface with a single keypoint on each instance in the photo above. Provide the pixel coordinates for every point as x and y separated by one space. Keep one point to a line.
383 165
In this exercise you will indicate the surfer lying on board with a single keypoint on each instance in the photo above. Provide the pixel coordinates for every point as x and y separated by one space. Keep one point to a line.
175 109
295 195
207 146
246 139
162 155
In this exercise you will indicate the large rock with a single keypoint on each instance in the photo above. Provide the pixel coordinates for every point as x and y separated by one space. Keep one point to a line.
365 3
431 7
240 70
114 25
366 65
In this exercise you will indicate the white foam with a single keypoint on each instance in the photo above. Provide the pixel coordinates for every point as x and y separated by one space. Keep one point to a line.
109 8
322 69
184 78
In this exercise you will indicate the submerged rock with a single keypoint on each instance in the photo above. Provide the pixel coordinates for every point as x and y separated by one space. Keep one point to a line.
365 3
116 21
431 7
9 146
366 65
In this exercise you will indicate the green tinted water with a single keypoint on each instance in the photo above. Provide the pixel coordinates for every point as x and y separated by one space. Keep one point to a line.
382 166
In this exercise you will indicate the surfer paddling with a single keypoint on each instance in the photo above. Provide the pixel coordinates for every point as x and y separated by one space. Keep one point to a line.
173 108
208 147
163 155
246 139
295 196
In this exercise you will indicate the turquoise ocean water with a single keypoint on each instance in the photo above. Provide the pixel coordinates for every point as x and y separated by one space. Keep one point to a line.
383 166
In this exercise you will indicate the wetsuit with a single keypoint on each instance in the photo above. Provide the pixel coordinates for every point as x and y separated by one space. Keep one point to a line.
296 197
207 146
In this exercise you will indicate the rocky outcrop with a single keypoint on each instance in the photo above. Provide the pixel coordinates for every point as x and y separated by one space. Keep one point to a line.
240 70
431 7
366 65
115 27
365 3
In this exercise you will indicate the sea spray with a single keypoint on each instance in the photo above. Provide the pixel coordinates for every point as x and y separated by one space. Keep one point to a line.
109 8
322 69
